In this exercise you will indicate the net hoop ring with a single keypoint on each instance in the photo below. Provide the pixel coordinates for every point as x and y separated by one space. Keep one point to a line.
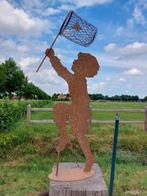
66 21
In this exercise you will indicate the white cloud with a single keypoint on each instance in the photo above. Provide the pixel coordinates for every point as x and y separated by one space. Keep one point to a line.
137 19
51 11
38 7
7 45
12 47
46 8
133 49
108 79
130 61
2 59
28 61
67 7
110 47
31 5
119 30
122 80
145 4
130 23
127 91
96 87
22 49
14 21
138 16
50 76
47 79
85 3
133 72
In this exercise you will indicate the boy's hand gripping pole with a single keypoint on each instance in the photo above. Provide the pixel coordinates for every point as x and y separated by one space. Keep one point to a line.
63 26
46 54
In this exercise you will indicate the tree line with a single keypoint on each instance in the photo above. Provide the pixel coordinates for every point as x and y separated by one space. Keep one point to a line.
95 97
13 82
100 97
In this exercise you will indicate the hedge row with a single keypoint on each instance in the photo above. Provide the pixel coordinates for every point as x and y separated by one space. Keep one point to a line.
11 111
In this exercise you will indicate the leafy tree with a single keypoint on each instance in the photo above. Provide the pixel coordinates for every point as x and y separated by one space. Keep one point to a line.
114 98
55 97
33 92
13 81
3 79
11 78
95 97
145 98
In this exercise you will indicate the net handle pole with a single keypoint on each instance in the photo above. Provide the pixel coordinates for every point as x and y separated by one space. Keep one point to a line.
63 26
46 54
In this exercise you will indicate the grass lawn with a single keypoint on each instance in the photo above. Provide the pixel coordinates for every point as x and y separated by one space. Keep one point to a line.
28 153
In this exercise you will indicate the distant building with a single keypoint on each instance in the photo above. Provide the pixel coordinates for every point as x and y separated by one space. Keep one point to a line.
62 97
15 97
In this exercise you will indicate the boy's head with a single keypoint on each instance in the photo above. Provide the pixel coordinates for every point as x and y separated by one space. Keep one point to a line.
86 65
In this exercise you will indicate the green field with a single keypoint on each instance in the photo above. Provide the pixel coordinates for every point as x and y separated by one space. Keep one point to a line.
28 153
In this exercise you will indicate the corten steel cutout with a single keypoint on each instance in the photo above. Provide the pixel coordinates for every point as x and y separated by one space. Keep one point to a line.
71 174
78 113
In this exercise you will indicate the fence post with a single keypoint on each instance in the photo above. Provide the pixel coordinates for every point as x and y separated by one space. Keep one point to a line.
145 119
29 114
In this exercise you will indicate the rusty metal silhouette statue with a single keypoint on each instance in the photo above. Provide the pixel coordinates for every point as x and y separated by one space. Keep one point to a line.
83 33
78 113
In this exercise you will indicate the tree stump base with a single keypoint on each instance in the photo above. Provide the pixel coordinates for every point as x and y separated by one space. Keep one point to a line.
91 186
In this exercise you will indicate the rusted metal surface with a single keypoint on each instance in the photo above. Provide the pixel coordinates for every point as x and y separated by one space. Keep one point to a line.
78 113
70 174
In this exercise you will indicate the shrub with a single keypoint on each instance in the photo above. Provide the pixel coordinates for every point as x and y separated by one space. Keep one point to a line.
11 111
10 140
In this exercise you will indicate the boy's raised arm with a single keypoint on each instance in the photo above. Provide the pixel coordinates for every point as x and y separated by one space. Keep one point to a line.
60 69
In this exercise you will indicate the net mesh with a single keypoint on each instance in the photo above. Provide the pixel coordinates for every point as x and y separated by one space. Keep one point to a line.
79 31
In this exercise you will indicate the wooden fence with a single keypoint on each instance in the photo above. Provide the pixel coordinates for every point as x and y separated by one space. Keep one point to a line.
30 121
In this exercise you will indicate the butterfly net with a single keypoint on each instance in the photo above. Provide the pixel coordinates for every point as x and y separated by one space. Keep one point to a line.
78 30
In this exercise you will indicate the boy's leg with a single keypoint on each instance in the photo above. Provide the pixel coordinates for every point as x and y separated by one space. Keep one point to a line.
61 115
87 152
79 131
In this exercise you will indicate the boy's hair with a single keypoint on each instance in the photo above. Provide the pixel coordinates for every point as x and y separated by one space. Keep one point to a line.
87 64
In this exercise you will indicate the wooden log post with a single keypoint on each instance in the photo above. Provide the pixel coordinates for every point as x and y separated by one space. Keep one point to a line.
92 186
145 119
29 115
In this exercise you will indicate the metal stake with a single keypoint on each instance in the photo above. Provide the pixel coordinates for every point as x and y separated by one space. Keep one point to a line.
114 155
57 163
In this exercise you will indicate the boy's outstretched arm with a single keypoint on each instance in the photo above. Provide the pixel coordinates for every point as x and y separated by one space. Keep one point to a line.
60 69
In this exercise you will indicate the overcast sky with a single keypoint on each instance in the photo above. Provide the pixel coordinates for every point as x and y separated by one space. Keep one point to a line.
27 28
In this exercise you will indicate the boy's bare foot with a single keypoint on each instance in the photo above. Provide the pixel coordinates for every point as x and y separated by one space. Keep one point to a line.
89 164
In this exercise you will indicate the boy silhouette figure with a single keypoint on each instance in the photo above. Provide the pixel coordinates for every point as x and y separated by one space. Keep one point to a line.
78 113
